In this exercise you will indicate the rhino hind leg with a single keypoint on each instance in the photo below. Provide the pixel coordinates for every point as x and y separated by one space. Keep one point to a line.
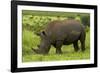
58 46
82 45
76 47
82 40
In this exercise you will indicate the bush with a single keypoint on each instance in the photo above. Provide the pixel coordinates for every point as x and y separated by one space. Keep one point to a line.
29 40
87 28
71 17
85 19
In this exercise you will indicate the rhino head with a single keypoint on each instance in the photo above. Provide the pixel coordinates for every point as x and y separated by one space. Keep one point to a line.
44 46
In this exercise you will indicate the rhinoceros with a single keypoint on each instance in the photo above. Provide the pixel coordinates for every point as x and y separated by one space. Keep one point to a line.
59 33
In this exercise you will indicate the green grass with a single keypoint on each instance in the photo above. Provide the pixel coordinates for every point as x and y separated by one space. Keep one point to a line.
31 40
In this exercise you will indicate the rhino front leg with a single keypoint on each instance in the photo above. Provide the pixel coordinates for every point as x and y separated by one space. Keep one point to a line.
58 46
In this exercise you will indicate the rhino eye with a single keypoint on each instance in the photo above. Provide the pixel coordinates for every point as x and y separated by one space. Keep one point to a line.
43 33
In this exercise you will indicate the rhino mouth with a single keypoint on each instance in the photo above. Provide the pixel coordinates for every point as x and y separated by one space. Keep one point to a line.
38 51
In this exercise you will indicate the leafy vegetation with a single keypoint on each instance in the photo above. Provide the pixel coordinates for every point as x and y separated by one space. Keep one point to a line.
35 21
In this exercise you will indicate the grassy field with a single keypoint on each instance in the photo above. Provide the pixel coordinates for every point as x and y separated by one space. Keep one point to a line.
33 22
68 50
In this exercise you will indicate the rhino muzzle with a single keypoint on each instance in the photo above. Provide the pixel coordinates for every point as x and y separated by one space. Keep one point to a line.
38 51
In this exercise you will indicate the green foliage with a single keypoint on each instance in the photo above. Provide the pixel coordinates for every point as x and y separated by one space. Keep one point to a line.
71 17
85 19
87 28
29 39
34 22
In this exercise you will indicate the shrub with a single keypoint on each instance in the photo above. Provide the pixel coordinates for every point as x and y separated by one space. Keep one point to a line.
29 40
85 19
87 28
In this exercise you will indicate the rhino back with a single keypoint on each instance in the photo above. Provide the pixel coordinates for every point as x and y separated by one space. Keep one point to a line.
66 29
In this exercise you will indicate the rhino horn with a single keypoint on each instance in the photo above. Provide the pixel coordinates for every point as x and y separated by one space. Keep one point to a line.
35 50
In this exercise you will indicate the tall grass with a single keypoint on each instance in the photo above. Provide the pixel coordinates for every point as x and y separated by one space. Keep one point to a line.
29 39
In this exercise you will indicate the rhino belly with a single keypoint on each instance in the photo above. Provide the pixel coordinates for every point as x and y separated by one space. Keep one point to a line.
71 37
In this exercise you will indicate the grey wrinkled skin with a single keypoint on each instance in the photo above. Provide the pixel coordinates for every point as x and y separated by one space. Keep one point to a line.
58 33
